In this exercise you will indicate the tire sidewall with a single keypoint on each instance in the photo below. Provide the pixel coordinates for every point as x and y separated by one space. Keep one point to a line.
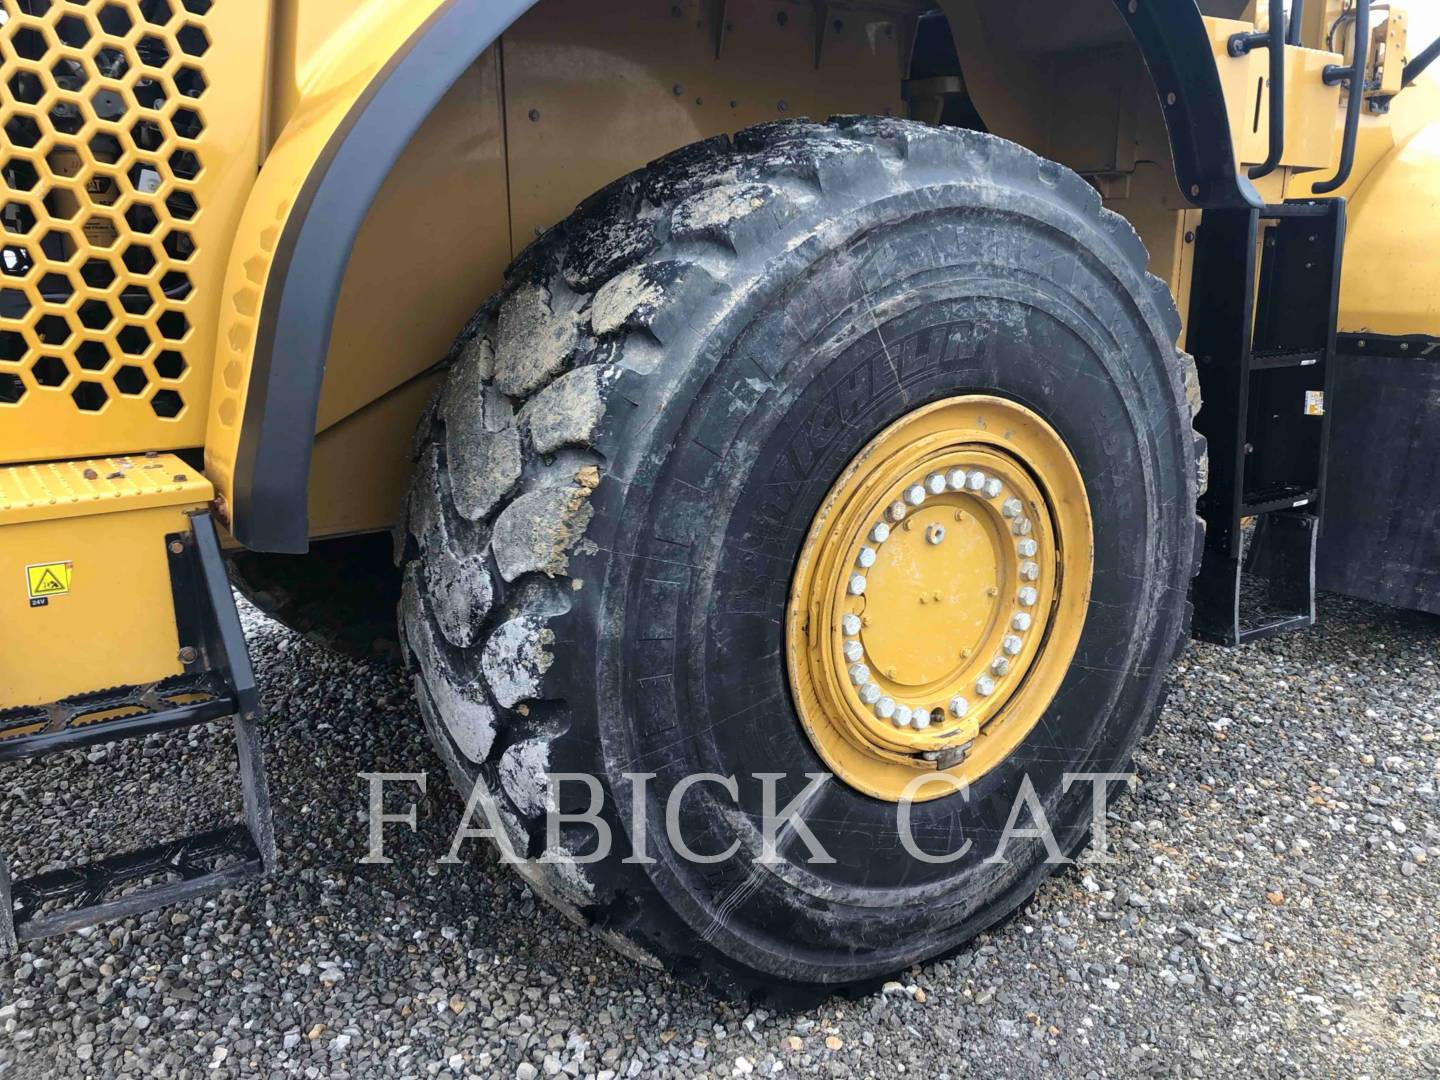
1027 299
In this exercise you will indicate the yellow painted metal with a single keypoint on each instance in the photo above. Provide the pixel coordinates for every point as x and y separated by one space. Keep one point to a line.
1310 105
433 246
439 236
1390 283
331 82
631 89
1390 49
361 466
131 136
105 520
939 597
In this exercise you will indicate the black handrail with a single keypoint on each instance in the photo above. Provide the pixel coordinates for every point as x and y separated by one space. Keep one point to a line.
1292 35
1420 63
1274 40
1353 75
1297 16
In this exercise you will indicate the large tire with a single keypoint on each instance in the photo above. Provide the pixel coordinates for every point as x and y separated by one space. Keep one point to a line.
611 492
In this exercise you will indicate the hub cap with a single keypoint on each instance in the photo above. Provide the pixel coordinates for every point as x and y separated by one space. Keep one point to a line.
939 597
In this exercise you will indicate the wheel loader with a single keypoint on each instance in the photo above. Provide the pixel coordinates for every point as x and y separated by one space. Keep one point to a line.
850 406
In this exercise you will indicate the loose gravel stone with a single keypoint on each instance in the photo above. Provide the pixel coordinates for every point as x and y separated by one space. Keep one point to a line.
1268 909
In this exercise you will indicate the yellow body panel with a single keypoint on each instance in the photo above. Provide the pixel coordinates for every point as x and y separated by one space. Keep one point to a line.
142 139
100 526
333 81
630 90
1391 280
569 99
1308 144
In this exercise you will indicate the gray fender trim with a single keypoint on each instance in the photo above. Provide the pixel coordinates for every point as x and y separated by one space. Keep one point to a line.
272 466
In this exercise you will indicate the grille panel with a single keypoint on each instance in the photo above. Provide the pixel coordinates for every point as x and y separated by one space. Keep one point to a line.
109 221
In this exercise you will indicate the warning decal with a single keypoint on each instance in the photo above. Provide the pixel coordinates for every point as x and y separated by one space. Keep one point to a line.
48 579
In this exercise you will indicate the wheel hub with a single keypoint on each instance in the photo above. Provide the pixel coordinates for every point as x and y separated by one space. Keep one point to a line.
928 591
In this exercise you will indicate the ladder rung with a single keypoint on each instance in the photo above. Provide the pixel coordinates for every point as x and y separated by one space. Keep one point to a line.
1275 626
63 900
1292 500
1267 359
1318 209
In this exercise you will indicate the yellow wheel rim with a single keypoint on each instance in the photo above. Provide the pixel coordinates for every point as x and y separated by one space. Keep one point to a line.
939 597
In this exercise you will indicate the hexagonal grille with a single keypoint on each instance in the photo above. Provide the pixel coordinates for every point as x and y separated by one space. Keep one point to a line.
104 108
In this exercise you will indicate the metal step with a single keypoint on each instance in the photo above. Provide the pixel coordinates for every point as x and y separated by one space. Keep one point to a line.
1263 311
220 685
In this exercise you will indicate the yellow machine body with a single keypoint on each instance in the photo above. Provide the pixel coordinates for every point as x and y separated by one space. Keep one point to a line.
85 574
161 149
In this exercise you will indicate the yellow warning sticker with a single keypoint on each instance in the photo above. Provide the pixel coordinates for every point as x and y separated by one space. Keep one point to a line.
48 579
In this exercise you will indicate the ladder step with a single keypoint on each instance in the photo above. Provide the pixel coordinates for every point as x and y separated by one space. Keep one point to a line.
110 888
1264 359
63 900
123 713
1266 503
1314 208
1277 626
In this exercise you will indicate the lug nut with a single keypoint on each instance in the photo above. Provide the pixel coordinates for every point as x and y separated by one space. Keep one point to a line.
1027 596
880 533
1029 571
866 558
850 625
1027 548
885 708
955 479
859 674
857 585
1021 527
935 483
934 534
869 693
852 651
902 716
1011 645
976 481
1021 621
897 511
915 495
1011 507
920 719
959 706
985 686
993 488
1000 666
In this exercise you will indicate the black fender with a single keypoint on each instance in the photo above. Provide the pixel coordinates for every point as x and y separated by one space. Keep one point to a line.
293 334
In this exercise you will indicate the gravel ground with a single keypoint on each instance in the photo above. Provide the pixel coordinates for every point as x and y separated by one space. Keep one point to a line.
1273 910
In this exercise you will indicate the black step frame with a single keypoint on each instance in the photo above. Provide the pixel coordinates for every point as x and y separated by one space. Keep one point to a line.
209 630
1263 310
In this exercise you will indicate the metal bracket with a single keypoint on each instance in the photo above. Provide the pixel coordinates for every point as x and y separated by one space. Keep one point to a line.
68 899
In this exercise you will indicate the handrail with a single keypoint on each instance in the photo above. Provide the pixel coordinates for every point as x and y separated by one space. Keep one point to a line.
1421 62
1274 40
1352 74
1297 16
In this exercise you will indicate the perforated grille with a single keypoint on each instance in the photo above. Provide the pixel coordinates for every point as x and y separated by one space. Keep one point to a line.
105 106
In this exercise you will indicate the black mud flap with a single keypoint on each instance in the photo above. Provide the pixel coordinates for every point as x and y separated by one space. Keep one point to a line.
218 684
